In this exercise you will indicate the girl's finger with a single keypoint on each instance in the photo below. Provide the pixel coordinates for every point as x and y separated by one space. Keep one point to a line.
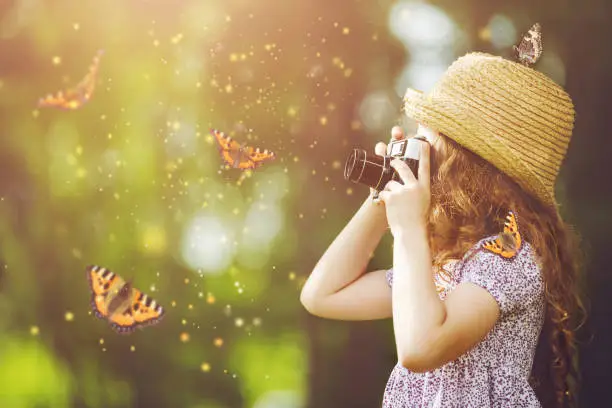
424 167
403 170
380 149
392 185
397 133
383 196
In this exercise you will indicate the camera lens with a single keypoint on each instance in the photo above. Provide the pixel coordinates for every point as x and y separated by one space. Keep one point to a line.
368 169
354 165
351 162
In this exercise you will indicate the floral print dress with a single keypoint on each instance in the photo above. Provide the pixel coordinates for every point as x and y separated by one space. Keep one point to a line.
495 372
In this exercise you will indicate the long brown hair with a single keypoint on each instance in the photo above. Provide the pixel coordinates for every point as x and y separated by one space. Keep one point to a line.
470 199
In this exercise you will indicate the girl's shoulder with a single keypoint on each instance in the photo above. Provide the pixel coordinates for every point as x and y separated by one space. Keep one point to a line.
510 273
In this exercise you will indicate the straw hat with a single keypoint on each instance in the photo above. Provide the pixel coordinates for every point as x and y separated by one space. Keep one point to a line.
511 115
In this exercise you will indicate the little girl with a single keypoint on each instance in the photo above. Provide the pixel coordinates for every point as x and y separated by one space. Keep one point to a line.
484 269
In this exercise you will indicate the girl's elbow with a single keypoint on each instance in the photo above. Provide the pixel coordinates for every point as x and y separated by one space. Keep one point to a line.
419 360
306 301
309 300
415 364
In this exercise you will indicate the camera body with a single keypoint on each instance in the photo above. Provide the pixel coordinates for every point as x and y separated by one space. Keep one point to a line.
376 171
406 149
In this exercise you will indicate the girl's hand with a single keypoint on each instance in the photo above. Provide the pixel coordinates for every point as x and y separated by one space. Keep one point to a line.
407 204
381 148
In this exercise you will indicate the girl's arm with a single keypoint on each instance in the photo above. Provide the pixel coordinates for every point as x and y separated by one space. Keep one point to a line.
337 287
430 332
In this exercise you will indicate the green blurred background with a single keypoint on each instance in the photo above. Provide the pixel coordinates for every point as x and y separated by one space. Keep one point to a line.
132 181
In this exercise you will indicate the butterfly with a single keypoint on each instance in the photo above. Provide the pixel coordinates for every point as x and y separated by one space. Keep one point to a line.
239 156
508 243
117 301
529 49
75 97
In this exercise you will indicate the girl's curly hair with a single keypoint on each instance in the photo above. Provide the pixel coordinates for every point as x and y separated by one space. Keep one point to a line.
470 199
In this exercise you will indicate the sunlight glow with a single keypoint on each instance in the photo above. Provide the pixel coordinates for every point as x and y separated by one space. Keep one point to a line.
377 110
430 37
280 399
421 25
153 239
502 32
180 140
207 245
262 223
552 65
419 76
275 187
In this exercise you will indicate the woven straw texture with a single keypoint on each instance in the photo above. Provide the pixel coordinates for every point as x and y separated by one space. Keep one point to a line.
513 116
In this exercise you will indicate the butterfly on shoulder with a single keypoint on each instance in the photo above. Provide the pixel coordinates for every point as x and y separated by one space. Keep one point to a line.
508 242
78 95
118 302
529 50
240 156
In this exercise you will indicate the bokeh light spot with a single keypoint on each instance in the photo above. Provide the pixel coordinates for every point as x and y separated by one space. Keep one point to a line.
501 31
203 248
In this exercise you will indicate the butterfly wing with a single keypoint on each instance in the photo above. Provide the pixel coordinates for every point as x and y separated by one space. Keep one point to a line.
256 157
75 97
237 156
88 84
57 100
102 283
229 149
529 49
141 311
509 242
145 310
511 228
123 322
493 245
70 99
225 142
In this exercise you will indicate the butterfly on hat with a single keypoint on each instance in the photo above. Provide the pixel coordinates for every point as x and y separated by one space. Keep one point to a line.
118 302
78 95
239 156
529 49
508 243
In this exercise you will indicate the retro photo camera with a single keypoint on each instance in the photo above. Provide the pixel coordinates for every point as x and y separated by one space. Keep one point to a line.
376 171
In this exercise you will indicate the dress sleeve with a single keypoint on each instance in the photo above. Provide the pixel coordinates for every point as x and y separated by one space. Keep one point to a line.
514 283
389 276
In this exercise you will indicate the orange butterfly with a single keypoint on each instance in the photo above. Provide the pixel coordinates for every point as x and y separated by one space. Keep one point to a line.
115 300
239 156
75 97
508 243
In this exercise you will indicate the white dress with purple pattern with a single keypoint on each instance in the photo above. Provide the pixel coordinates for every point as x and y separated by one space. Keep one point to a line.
495 372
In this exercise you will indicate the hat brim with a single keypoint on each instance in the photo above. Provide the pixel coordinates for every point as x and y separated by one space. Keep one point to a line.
466 131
